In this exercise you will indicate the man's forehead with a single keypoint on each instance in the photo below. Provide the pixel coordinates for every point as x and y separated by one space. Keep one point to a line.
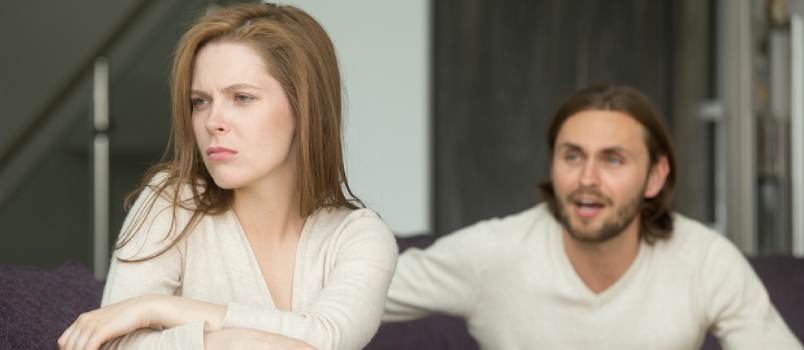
601 130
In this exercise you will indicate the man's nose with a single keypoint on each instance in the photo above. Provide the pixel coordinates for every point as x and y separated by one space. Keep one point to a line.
589 174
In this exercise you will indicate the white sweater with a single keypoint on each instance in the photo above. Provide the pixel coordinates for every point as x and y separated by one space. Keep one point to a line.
344 263
512 281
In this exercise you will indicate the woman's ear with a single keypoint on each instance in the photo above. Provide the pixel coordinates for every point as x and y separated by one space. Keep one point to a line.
657 177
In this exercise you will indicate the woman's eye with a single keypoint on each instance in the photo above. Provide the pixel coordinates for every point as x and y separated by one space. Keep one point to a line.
242 98
198 102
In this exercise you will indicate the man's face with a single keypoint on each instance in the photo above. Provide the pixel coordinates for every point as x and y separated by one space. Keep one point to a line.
601 174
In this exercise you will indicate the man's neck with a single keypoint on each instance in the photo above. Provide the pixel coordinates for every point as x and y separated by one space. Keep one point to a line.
600 265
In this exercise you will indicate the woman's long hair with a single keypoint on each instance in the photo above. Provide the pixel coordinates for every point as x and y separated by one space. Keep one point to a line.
300 55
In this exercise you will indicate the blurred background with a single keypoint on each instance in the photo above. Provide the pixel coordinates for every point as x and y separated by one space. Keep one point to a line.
448 104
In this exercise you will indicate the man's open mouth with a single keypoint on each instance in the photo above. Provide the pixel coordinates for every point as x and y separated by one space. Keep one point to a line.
588 203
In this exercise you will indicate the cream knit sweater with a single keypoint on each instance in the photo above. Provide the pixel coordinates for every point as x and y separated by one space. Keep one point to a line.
344 263
511 280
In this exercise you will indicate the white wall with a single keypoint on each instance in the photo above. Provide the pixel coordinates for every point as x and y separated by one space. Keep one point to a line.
384 52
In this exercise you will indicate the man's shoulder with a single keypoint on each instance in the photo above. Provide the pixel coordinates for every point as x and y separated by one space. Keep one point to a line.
537 218
691 241
508 230
687 229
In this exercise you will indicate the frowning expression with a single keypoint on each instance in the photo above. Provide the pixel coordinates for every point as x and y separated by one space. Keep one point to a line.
242 119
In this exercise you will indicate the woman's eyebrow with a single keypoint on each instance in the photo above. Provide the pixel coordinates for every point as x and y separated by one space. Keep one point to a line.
236 87
228 89
198 93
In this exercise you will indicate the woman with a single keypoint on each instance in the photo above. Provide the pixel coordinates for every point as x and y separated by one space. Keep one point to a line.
246 235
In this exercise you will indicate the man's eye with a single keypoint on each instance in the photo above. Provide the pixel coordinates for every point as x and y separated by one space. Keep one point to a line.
613 160
572 157
242 98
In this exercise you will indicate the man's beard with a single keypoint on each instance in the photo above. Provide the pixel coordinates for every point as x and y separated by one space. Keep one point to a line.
611 228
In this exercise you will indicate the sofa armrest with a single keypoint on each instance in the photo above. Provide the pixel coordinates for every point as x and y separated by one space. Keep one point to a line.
36 306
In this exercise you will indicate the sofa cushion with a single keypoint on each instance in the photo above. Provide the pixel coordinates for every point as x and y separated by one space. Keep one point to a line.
36 306
783 277
436 332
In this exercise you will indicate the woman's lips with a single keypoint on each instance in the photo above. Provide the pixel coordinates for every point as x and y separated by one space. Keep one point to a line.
220 153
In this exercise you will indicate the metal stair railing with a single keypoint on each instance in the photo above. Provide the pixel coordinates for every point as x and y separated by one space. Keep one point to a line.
61 96
46 121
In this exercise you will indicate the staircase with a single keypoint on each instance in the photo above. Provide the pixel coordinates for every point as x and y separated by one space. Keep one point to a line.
46 191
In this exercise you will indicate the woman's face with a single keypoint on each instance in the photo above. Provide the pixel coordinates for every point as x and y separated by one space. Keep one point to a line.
242 119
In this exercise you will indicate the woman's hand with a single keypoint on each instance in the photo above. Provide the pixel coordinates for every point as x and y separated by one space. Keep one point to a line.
94 328
248 339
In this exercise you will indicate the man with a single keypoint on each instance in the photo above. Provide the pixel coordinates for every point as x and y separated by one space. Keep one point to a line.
603 263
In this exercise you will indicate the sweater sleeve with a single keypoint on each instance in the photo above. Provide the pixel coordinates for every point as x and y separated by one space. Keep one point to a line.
736 305
444 278
158 275
346 313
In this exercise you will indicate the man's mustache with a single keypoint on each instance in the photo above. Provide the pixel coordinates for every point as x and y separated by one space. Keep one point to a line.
590 192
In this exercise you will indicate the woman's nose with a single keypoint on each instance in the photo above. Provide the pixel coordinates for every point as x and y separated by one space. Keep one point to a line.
216 123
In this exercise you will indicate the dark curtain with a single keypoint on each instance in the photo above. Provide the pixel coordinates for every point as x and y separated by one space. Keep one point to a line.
502 67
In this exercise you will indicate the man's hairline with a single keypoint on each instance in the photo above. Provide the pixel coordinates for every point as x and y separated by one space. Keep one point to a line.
646 135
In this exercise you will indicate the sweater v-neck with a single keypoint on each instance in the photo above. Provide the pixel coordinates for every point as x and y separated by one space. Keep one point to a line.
298 266
581 289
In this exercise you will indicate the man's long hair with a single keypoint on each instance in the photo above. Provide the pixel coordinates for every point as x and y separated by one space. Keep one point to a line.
656 220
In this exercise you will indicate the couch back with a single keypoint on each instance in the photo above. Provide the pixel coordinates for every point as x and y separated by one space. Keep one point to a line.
36 306
783 277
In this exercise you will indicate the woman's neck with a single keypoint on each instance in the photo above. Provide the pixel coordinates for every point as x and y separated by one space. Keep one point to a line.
269 210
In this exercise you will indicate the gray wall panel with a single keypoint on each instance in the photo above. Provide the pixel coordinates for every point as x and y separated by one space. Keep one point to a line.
502 68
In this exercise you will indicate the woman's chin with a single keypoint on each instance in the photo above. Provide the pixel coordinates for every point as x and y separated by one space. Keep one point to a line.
226 183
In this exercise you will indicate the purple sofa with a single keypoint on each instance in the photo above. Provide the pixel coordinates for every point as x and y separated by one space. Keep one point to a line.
36 306
437 332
